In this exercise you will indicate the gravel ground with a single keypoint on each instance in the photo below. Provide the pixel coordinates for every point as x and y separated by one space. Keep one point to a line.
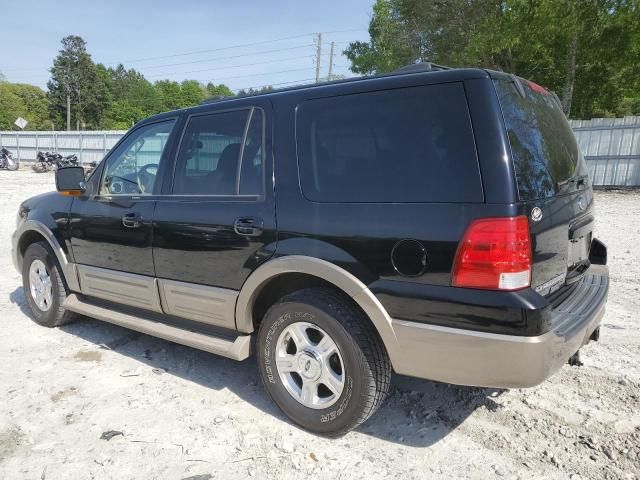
188 414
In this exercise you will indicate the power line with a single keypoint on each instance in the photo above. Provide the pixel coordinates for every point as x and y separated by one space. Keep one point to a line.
228 67
208 69
258 74
229 57
196 52
251 44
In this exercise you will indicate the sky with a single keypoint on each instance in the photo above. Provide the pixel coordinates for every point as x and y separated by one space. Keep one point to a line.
241 43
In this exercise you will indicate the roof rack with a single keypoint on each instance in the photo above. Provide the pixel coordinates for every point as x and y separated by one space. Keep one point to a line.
216 99
413 68
420 67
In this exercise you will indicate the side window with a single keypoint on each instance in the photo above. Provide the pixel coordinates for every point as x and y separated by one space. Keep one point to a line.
404 145
212 160
132 168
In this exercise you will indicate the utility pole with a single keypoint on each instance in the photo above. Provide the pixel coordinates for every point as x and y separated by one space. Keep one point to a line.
68 111
67 89
333 44
318 55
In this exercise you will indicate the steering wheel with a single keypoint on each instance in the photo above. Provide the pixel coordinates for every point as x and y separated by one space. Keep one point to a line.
145 178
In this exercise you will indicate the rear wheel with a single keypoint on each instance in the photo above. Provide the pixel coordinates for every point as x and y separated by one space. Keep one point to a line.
44 287
322 362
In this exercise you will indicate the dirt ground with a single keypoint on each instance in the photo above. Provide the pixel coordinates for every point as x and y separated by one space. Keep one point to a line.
188 414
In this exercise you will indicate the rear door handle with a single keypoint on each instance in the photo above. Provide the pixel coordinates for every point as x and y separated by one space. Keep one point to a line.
248 226
132 220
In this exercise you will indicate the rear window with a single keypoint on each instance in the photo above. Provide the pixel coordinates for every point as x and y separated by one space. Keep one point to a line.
405 145
544 149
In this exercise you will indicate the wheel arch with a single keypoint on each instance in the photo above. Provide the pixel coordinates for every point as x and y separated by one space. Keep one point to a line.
312 270
33 231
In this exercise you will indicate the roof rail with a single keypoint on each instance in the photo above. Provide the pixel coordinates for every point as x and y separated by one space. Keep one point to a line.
421 67
216 99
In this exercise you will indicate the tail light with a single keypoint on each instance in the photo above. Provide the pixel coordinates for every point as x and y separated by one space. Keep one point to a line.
495 254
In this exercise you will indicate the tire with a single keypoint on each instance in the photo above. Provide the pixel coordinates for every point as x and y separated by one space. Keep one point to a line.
360 355
50 312
13 165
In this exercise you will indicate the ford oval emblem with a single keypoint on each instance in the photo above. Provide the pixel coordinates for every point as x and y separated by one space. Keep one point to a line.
536 214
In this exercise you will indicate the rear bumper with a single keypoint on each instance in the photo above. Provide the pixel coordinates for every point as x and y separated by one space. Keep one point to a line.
468 357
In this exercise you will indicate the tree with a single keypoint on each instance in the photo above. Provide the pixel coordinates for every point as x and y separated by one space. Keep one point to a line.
588 52
220 90
254 91
134 97
170 94
193 92
75 82
26 101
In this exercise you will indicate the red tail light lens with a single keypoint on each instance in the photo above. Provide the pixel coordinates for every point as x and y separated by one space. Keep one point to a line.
495 253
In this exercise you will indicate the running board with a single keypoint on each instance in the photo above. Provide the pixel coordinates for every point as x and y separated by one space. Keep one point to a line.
237 349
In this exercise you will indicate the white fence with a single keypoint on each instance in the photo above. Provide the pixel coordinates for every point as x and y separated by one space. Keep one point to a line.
89 146
611 147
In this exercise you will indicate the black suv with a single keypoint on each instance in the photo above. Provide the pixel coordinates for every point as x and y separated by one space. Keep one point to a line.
436 223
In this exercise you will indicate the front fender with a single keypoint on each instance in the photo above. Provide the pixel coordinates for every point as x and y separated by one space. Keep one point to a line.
29 226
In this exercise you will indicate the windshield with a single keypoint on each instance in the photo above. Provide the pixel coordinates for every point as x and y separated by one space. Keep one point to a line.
544 149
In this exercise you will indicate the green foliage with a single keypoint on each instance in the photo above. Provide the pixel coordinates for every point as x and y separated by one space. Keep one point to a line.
75 76
218 90
100 97
254 91
26 101
588 52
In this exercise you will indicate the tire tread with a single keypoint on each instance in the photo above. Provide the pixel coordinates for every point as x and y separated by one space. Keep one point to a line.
373 357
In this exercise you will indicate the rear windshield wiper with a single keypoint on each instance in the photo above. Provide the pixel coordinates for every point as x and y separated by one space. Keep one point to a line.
577 180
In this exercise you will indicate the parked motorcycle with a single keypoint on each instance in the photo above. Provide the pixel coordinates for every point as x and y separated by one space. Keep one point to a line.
7 161
46 161
89 168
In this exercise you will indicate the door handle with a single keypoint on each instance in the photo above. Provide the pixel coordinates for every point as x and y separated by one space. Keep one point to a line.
132 220
248 226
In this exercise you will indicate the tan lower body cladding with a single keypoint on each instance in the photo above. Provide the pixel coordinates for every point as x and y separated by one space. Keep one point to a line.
200 303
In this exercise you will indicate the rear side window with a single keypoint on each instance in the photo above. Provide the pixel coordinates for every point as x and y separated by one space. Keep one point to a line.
221 154
544 149
405 145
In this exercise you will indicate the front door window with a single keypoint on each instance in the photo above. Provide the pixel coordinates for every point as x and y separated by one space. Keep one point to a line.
132 169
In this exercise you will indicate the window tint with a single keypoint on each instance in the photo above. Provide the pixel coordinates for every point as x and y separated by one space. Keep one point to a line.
132 168
406 145
210 154
545 152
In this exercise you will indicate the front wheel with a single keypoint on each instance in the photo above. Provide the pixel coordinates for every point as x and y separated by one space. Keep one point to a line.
322 362
44 287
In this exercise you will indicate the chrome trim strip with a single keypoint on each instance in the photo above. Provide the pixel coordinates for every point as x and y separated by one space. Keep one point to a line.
68 269
236 349
120 287
201 303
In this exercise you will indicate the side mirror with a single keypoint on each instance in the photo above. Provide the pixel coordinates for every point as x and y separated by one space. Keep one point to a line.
70 180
